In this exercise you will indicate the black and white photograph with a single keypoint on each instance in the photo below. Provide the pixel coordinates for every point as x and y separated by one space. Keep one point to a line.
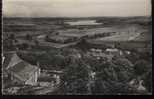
76 47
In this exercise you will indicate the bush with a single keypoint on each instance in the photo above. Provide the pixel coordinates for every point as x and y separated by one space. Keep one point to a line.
141 67
147 77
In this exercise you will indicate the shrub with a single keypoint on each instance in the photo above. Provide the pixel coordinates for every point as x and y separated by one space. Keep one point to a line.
141 67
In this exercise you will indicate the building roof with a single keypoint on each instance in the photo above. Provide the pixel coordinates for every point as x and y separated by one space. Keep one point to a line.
14 60
20 68
10 59
112 50
23 70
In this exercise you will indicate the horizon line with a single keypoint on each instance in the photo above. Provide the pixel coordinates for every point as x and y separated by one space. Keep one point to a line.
68 17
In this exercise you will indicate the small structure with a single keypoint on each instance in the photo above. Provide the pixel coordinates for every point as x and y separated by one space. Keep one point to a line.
96 50
128 52
57 77
100 55
50 76
93 74
22 72
114 51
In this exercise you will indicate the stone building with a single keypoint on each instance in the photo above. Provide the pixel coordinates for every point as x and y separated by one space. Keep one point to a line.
21 72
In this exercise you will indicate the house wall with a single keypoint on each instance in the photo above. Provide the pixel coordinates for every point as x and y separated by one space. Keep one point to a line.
33 79
15 79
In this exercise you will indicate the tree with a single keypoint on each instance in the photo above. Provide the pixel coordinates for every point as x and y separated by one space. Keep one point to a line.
112 77
36 42
25 46
83 44
147 77
125 68
29 57
28 37
76 77
12 36
8 44
141 67
47 38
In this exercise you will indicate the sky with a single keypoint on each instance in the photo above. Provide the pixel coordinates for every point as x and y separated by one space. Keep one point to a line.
75 8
